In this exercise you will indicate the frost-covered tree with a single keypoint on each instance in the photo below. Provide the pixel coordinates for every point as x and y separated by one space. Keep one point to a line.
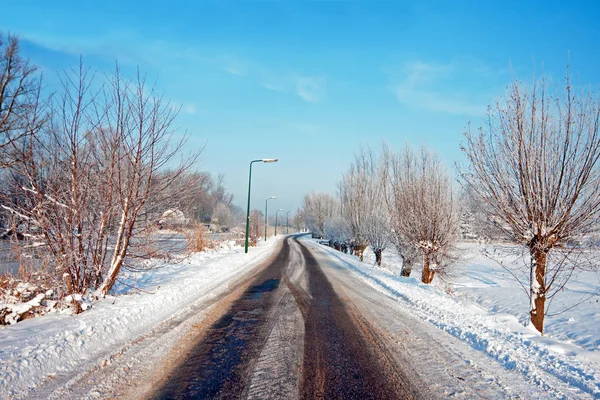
95 181
338 232
318 207
408 252
423 208
202 193
361 205
378 224
223 217
535 165
378 232
256 226
298 220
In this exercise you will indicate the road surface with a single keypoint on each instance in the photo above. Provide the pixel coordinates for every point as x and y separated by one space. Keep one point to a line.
301 326
290 335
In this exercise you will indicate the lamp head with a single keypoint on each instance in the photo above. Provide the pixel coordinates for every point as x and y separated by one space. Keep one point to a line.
268 160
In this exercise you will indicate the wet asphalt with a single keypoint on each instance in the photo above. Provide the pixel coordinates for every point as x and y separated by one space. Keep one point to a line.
342 358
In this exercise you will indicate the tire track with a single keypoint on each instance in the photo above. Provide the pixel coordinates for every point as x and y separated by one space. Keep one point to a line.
342 358
290 335
219 365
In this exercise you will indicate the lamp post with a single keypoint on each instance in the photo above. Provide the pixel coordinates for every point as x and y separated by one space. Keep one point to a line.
287 222
266 213
265 160
277 212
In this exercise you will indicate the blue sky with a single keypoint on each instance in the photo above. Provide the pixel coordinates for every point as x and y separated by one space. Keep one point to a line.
309 82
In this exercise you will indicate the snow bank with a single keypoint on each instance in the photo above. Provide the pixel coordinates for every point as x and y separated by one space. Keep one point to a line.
42 348
493 326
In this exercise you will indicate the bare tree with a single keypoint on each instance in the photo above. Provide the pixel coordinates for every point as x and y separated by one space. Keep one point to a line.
96 180
317 207
408 252
203 193
535 165
378 225
256 226
222 217
298 220
338 232
423 208
21 113
356 191
378 233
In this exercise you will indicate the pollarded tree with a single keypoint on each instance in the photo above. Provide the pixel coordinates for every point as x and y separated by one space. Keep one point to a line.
378 224
407 250
298 221
357 191
318 207
535 165
338 232
409 253
378 232
424 210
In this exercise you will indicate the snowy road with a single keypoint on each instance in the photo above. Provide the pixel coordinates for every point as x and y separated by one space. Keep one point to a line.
289 335
308 328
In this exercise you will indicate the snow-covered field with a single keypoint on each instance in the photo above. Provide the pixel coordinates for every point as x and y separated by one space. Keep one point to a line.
38 350
483 306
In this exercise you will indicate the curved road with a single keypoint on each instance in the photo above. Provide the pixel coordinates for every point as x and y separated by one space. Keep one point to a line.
293 333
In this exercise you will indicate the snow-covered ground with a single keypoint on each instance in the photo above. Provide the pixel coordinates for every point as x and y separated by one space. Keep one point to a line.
36 351
479 305
484 307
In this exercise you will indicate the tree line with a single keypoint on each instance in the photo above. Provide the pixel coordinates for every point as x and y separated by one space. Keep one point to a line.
532 178
403 199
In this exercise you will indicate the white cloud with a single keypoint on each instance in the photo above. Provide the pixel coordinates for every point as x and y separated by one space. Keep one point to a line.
274 87
309 89
235 67
233 71
189 109
436 101
417 88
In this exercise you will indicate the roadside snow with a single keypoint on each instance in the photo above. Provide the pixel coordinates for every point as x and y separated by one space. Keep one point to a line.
36 350
484 308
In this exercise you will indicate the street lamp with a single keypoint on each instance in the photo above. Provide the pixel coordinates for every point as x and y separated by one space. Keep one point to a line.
287 222
265 160
276 212
266 213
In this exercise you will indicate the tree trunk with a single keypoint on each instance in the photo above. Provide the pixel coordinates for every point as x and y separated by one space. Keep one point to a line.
119 252
406 269
427 276
360 251
378 256
538 288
